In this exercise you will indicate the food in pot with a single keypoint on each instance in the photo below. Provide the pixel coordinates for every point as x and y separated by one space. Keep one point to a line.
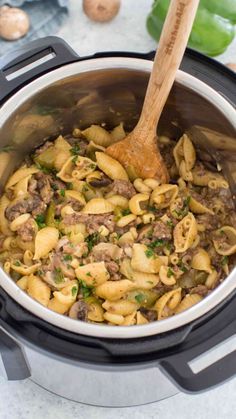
83 240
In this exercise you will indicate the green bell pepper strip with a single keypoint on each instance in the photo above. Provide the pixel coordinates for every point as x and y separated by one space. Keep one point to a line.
50 215
213 29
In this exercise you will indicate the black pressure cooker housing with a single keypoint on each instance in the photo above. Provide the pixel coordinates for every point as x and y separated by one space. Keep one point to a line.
172 350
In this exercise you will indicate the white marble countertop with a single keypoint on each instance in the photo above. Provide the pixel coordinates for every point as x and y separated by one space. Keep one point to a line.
25 400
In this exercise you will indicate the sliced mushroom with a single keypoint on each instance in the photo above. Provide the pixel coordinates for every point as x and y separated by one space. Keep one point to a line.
79 311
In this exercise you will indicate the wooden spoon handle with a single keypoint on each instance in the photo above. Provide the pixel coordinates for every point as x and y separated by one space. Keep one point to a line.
173 41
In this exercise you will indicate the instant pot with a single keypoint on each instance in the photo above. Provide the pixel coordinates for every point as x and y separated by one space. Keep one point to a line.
46 89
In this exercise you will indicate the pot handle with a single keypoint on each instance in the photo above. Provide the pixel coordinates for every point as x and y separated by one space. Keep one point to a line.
178 367
13 365
32 60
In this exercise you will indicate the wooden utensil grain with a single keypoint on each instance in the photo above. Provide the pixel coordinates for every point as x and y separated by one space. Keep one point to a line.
139 152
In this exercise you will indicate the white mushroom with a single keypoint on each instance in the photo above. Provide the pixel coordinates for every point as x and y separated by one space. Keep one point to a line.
101 10
14 23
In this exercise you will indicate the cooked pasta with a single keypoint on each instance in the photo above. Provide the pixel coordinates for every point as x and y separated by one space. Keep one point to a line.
83 240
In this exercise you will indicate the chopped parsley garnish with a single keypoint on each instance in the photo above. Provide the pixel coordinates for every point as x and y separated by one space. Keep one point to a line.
7 148
156 243
88 274
62 192
224 260
149 253
40 273
168 246
139 298
182 266
58 275
54 186
170 272
74 160
40 220
92 166
170 223
74 291
67 257
75 150
185 208
91 240
46 170
86 289
85 188
17 263
187 201
125 212
152 209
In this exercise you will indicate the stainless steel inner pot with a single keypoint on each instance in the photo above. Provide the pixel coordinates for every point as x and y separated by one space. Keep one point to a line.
111 90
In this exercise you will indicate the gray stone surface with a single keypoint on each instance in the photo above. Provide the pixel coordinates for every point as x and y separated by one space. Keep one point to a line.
25 400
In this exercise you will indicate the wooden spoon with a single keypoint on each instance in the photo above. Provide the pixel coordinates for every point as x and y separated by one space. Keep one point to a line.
138 152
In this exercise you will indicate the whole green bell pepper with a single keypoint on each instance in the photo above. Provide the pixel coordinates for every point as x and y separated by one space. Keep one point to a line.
213 29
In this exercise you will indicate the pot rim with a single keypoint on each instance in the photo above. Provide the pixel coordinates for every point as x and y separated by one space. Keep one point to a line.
76 326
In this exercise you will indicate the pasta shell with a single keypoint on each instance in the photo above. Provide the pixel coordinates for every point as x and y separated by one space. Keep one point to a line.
187 302
185 233
25 269
141 261
98 135
55 305
15 224
188 152
23 282
203 177
84 166
4 225
38 290
118 133
96 312
118 201
114 290
114 318
141 319
98 206
20 174
45 241
93 274
136 203
198 208
75 195
164 194
225 243
122 307
68 294
5 159
144 280
65 173
201 261
184 151
162 302
62 144
130 320
21 188
110 166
